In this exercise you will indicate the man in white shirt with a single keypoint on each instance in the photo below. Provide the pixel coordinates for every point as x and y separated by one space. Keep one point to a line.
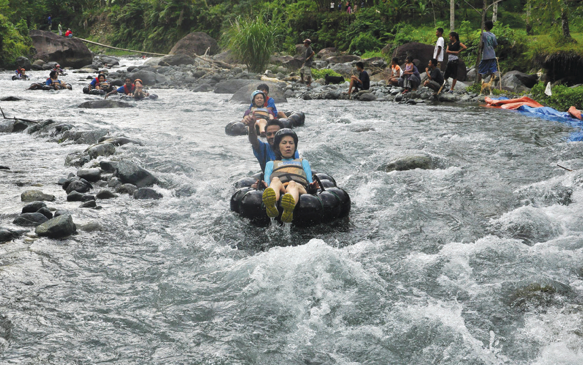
439 49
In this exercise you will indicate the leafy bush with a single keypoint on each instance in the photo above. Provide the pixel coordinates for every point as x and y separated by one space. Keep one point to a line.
321 73
364 42
563 97
252 41
13 45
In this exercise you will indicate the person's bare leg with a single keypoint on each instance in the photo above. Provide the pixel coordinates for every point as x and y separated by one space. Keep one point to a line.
290 199
351 86
281 115
271 196
453 84
261 123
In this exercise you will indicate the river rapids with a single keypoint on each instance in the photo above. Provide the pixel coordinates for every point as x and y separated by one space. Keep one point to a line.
476 261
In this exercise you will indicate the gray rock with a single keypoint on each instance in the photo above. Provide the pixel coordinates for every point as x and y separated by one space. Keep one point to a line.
367 97
175 60
108 166
30 219
448 97
105 194
75 196
206 88
61 212
147 193
47 213
91 175
36 195
23 62
154 61
78 185
84 137
7 234
89 204
101 104
90 227
344 69
126 189
60 226
119 141
409 163
77 159
130 173
114 182
102 149
515 81
33 207
148 77
231 86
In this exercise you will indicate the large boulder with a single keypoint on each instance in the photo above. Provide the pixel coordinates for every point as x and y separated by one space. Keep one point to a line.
36 195
243 95
23 62
101 104
195 43
7 234
147 77
344 69
130 173
231 86
176 60
327 52
343 58
57 227
30 219
68 52
516 81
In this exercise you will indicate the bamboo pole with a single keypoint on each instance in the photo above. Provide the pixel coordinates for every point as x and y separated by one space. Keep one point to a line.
121 49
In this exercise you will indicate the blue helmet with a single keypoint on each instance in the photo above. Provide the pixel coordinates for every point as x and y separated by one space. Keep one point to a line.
255 94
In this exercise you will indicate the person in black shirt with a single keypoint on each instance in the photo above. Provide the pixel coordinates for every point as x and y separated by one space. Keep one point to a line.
434 76
361 82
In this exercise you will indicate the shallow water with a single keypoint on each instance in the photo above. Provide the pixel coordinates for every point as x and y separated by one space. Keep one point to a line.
478 261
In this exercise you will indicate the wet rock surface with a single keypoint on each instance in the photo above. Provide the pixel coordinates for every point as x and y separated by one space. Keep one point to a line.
36 195
60 226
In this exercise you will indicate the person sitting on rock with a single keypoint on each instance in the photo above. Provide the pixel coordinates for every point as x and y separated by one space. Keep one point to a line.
288 175
434 76
411 78
264 151
128 88
54 81
395 72
453 50
270 103
68 33
362 82
258 111
140 93
99 83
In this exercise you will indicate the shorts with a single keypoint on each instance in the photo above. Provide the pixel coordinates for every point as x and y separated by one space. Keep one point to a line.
487 67
451 70
307 71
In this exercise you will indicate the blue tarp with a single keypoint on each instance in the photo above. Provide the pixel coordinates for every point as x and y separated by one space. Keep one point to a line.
553 115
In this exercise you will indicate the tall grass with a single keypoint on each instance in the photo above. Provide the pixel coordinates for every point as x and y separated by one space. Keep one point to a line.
252 41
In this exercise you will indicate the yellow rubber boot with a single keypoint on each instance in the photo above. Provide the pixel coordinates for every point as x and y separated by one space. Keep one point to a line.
269 200
288 204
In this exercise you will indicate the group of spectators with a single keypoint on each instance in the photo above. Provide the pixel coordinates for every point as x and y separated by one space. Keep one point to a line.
409 77
68 32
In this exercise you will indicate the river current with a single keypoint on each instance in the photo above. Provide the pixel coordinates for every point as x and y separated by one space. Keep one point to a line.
477 261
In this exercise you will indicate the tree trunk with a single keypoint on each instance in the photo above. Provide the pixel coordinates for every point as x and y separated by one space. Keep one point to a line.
451 15
495 13
481 45
565 23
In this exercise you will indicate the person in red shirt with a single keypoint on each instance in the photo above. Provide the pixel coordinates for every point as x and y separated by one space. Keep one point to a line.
68 33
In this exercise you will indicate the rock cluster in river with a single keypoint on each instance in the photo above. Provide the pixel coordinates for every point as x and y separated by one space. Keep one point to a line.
97 178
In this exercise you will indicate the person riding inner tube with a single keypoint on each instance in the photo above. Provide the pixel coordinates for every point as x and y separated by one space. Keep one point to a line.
292 120
54 82
139 92
99 83
287 175
20 74
258 111
127 89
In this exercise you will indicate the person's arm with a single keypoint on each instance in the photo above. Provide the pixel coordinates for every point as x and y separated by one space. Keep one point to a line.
114 91
447 50
268 171
428 72
463 48
253 135
307 170
438 52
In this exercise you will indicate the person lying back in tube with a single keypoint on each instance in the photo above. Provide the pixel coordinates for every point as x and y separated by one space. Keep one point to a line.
140 93
99 83
54 81
128 88
288 175
258 111
269 102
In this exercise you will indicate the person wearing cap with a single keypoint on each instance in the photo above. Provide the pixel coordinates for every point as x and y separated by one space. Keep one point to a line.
21 73
308 58
140 93
128 88
58 69
286 175
258 111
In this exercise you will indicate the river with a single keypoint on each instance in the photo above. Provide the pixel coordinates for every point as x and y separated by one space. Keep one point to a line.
478 261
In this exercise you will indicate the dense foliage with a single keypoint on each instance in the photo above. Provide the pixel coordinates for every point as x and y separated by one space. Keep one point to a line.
562 96
156 25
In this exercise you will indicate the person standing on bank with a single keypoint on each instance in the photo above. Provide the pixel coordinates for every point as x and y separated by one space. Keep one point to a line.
60 29
307 65
50 22
439 49
488 63
453 50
